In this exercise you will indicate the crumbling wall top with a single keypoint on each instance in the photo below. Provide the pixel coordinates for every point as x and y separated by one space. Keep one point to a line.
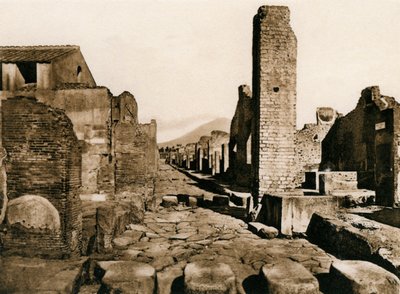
276 14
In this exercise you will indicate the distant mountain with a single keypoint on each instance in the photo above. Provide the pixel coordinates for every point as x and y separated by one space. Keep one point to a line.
221 124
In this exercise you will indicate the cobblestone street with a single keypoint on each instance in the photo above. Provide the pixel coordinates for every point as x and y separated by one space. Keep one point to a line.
172 237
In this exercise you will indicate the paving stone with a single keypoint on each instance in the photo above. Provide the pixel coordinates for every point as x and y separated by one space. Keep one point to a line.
181 236
162 262
227 236
169 201
152 235
198 237
135 227
130 254
287 276
209 277
126 277
362 277
127 238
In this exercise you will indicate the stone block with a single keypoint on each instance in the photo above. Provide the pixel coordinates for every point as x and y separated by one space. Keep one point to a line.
293 213
126 277
333 181
111 220
192 201
203 277
220 200
352 198
362 277
169 201
355 237
35 275
287 276
263 231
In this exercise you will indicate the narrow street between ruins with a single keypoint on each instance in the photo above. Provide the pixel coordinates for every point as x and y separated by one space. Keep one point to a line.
172 237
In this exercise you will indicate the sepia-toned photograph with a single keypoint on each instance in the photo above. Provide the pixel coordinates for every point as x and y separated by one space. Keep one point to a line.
200 146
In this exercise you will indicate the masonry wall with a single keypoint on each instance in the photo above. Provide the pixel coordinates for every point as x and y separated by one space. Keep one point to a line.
366 140
217 144
65 70
136 152
44 159
89 109
202 154
274 92
308 142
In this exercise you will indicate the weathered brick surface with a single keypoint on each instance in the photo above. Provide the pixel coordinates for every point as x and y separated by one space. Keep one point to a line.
308 142
136 153
366 140
274 88
43 159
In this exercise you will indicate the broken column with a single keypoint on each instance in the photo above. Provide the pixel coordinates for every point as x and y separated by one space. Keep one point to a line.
240 139
274 86
43 216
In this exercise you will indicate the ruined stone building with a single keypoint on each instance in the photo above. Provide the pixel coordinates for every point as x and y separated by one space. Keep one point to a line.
65 136
209 155
274 94
240 139
218 152
190 156
308 142
367 140
203 154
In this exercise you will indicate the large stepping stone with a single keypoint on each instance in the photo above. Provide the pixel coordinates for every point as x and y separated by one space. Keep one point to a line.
126 277
202 277
169 201
359 277
263 231
34 275
287 276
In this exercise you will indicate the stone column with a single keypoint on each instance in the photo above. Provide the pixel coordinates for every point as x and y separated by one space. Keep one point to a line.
274 89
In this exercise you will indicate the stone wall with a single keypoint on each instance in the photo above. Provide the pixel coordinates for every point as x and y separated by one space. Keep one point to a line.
366 140
240 139
274 92
218 152
136 153
308 142
44 159
203 154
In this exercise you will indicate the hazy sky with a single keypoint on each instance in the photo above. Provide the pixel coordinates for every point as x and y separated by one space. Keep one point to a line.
184 59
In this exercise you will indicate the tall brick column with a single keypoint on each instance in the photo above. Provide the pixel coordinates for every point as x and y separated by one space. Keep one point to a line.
274 91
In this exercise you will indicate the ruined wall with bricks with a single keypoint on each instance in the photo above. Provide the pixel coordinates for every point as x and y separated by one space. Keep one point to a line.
202 154
135 148
240 139
218 145
274 92
308 142
43 159
366 140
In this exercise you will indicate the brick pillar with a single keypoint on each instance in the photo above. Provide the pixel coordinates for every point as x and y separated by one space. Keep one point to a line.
274 86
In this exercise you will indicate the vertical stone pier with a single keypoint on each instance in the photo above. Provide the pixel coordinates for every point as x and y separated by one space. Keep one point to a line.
274 91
